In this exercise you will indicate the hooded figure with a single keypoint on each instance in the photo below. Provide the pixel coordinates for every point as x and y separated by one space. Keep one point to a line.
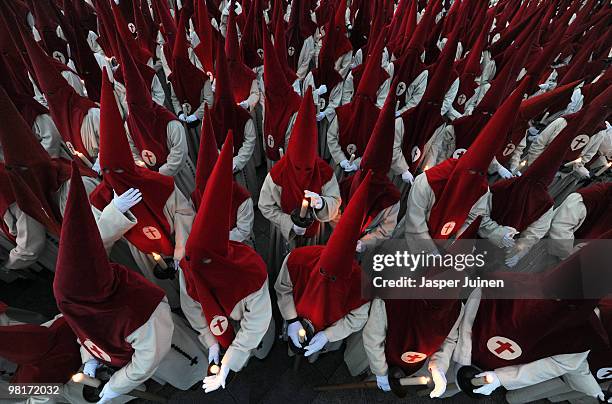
584 214
242 214
77 118
352 127
327 79
159 139
191 87
383 197
281 102
144 207
319 287
231 316
442 196
96 296
227 114
584 146
300 37
33 185
301 174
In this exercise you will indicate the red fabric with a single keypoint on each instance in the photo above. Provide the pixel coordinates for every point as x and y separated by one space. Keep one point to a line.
3 307
281 101
252 37
97 297
280 44
115 155
212 263
187 80
6 200
335 45
67 108
126 38
301 168
418 326
300 28
330 274
207 47
226 114
242 76
597 199
602 358
42 355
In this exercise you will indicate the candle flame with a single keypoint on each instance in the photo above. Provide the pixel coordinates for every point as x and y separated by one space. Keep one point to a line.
488 379
140 163
156 256
305 203
214 369
523 163
302 332
78 377
426 168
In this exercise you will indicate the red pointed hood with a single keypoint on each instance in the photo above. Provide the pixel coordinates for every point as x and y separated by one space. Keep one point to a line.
373 73
67 107
47 21
418 38
457 184
242 76
281 101
252 37
302 147
206 48
207 157
145 27
127 39
187 80
280 43
300 28
137 90
95 296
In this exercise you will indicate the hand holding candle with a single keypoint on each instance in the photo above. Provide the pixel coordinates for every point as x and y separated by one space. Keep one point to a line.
159 261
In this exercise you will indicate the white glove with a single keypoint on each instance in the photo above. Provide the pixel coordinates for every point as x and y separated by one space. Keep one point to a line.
383 383
547 86
315 199
532 133
351 167
397 114
508 238
213 354
212 383
488 388
344 164
504 172
320 116
182 117
300 231
96 166
107 394
407 177
191 118
582 171
576 102
128 199
89 368
321 90
360 247
602 397
439 379
292 331
244 104
316 344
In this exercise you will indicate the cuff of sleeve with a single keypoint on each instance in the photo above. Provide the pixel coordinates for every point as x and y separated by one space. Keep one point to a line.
126 220
207 340
235 359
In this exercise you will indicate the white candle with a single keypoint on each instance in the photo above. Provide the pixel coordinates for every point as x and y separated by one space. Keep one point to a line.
159 261
304 208
281 152
141 163
83 158
572 162
86 380
302 335
414 381
352 158
214 369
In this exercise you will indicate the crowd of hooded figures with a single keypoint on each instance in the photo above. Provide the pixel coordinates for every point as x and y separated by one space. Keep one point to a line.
139 138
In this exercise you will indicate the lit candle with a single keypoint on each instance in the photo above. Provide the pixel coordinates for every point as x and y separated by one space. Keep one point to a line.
281 152
141 163
414 381
83 158
573 162
214 369
603 169
481 381
304 208
426 167
86 380
520 166
302 335
159 261
352 158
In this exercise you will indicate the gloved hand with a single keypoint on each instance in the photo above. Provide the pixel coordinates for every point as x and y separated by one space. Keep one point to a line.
90 367
292 331
212 383
439 379
508 238
300 231
493 383
96 166
316 343
602 397
182 117
383 383
581 171
351 167
213 354
321 90
315 199
407 177
360 247
127 200
608 129
107 394
504 172
532 133
191 118
344 164
234 168
320 116
244 104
